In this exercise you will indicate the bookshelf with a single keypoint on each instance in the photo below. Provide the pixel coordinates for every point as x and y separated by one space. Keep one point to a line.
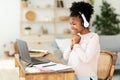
46 19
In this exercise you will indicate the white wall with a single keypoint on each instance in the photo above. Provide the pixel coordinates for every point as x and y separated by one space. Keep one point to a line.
115 4
10 18
9 21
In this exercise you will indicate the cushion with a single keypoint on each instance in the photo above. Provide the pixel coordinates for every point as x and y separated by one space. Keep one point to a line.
54 50
104 65
63 43
54 44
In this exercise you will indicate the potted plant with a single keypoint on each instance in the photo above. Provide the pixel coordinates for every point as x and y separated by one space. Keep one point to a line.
27 30
107 23
24 3
107 26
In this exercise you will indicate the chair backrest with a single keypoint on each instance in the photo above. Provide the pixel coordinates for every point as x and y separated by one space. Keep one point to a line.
16 48
106 64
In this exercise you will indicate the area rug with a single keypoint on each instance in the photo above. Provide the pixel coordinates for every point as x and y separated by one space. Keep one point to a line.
8 70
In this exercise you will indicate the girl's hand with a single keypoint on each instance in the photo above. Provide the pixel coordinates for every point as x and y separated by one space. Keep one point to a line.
75 40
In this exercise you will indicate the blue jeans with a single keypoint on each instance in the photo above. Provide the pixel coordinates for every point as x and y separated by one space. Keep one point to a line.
86 78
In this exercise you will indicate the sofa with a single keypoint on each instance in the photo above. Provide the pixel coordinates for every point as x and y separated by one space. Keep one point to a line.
59 44
111 43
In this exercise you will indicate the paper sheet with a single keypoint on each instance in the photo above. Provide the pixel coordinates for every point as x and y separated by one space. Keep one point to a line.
52 66
58 67
32 69
38 50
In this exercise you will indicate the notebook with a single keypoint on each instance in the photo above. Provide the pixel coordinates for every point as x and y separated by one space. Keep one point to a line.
25 56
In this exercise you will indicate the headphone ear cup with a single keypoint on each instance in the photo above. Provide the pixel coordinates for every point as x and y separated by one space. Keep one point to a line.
84 22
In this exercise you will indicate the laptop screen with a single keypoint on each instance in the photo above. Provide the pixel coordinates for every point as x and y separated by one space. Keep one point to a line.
23 51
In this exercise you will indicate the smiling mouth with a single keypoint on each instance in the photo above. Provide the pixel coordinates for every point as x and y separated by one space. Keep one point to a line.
74 31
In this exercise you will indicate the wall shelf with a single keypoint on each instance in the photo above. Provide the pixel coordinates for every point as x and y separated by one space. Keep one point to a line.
46 22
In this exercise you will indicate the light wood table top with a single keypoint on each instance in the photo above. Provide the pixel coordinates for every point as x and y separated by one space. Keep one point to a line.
67 74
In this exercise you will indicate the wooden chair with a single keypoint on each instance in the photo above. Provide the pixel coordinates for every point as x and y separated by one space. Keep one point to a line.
106 65
16 48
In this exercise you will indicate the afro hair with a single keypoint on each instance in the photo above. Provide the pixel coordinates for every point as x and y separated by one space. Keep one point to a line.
82 7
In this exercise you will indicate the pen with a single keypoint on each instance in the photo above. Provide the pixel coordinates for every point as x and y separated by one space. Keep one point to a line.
49 65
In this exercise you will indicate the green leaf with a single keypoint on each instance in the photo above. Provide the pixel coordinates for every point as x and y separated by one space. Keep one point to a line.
107 23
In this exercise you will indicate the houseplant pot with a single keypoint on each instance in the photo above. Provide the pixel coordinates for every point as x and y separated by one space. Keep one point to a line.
28 30
107 25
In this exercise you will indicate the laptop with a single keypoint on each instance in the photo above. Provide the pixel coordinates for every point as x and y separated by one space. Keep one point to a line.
25 56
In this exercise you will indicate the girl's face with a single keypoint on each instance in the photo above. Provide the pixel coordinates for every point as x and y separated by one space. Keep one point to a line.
75 24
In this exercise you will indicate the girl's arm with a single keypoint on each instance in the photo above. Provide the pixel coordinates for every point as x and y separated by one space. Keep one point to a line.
66 53
93 48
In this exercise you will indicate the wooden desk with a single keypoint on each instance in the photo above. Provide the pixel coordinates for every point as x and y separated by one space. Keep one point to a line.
51 75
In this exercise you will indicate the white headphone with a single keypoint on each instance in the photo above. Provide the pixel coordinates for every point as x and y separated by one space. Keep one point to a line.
85 23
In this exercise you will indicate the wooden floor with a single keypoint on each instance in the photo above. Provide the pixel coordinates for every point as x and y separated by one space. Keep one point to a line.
9 72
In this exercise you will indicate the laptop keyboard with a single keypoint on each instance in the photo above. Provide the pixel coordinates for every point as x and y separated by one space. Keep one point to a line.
39 60
35 60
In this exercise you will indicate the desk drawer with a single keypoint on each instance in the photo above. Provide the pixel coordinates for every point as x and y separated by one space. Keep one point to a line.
35 38
38 45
